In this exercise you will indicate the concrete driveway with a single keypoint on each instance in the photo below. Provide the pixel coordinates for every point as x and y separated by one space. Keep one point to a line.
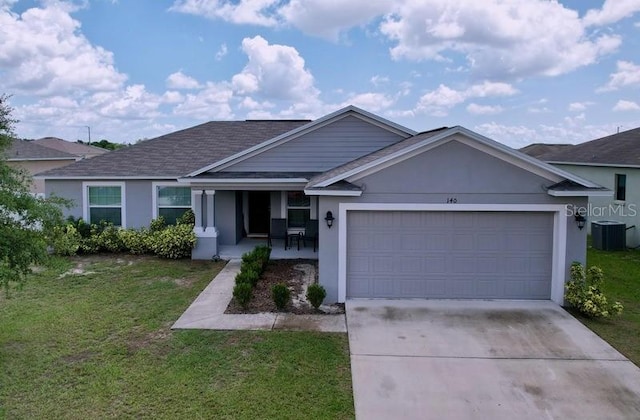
429 359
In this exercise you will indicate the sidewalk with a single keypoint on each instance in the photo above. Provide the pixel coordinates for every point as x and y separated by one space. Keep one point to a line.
207 311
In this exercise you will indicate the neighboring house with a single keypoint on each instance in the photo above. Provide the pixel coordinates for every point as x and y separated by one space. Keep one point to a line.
613 162
446 213
83 150
538 149
36 156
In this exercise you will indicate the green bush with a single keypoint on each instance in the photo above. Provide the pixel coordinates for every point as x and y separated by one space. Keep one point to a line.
109 239
316 295
251 266
583 293
137 242
242 293
250 277
187 218
263 253
173 242
281 295
65 240
158 224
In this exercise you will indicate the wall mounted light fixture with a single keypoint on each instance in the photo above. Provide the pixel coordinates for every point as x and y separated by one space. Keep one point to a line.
580 220
329 219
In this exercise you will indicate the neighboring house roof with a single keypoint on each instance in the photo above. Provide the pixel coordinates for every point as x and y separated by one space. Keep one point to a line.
25 150
78 149
176 154
426 140
538 149
621 149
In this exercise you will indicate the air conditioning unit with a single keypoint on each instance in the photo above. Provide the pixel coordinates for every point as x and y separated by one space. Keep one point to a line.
609 235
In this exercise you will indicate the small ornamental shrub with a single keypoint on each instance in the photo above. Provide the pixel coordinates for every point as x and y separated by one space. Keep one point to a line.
109 239
316 295
248 276
158 224
135 241
173 242
242 293
65 240
188 218
251 266
281 295
583 293
263 253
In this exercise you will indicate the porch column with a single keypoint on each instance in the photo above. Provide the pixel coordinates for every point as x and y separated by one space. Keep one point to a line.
203 205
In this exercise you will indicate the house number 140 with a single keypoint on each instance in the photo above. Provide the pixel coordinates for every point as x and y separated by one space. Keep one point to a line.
452 200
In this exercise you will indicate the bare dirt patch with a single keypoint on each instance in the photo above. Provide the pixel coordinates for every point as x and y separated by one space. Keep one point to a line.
297 275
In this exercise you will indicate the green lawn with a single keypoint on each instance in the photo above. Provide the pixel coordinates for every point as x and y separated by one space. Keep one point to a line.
622 283
99 345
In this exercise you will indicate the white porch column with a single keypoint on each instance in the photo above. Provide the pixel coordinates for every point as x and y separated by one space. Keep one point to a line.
203 205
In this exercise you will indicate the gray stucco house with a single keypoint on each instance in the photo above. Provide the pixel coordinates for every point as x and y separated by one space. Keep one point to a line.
613 162
445 213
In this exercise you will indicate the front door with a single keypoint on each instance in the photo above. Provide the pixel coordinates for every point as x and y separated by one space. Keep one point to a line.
259 212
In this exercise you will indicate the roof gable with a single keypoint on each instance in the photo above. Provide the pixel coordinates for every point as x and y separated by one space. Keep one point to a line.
349 111
424 142
22 150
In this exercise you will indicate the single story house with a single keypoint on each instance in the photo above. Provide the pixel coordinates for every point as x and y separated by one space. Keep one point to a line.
613 162
445 213
36 156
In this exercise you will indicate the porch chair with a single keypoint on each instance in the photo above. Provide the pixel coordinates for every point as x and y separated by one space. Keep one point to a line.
278 231
311 233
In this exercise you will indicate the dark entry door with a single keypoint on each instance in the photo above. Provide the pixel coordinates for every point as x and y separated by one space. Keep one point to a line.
259 211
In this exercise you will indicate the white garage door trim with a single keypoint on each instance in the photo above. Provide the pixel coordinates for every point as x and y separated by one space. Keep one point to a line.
559 234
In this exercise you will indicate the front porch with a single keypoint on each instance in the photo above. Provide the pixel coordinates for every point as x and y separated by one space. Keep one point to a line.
229 252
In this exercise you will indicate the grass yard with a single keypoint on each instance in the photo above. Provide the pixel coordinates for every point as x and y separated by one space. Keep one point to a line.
97 344
622 283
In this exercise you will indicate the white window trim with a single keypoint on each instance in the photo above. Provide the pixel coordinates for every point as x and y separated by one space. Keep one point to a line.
123 199
287 207
558 266
154 196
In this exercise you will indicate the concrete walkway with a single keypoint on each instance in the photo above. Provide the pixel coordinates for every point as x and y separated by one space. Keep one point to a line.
207 311
429 359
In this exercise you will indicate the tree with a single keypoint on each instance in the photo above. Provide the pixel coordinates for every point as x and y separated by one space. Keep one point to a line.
105 144
25 220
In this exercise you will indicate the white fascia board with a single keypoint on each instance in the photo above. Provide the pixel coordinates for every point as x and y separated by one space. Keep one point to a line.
297 132
42 159
243 180
599 193
99 178
334 193
604 165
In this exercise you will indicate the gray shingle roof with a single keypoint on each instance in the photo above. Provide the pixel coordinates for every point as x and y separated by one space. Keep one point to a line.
618 149
29 150
378 154
77 149
182 152
538 149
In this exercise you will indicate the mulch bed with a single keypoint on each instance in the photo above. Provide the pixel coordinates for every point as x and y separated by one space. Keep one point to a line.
278 271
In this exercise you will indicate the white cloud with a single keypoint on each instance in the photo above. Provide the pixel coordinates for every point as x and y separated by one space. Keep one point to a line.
623 105
374 102
254 12
222 51
329 18
210 103
611 12
276 72
179 80
378 80
44 53
538 110
172 97
579 106
627 74
500 39
438 102
476 109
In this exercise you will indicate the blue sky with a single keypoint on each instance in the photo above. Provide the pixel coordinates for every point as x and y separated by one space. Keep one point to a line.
517 71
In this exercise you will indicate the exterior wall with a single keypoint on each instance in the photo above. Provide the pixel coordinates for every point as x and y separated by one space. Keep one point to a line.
34 167
71 190
225 205
451 171
607 208
322 149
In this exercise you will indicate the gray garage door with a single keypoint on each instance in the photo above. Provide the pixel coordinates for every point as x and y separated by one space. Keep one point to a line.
449 254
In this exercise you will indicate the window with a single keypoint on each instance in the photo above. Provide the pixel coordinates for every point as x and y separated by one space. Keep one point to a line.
173 202
298 209
621 187
104 202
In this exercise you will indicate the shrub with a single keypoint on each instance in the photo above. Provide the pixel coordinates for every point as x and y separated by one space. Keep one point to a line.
65 240
109 239
316 295
173 242
583 293
251 266
263 253
135 241
242 293
158 224
248 276
187 218
281 295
